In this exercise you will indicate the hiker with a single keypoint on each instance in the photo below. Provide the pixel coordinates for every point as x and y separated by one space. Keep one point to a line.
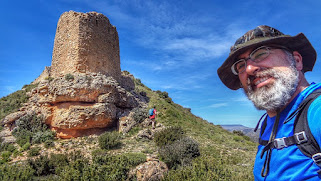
152 116
269 66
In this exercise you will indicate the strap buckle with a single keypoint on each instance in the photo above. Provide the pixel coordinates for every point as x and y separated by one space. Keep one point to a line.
301 137
316 158
279 143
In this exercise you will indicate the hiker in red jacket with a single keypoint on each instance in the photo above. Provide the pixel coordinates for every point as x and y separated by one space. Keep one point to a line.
152 116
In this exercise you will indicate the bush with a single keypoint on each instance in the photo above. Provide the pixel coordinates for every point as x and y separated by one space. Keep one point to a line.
43 136
140 114
7 147
25 146
6 156
109 140
168 136
34 151
48 143
180 152
113 167
14 101
21 172
69 77
31 129
49 78
138 82
143 93
240 133
40 165
45 165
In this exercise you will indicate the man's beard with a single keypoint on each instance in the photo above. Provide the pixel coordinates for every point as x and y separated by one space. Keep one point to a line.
275 96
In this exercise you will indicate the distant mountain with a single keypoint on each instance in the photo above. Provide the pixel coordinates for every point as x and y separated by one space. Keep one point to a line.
246 130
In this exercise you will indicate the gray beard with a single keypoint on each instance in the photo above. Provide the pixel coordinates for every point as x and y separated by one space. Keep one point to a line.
275 96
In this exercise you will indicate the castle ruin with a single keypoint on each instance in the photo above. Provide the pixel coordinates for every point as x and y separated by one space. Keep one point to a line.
85 42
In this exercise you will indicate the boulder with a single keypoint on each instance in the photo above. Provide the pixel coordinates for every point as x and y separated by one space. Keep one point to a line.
151 170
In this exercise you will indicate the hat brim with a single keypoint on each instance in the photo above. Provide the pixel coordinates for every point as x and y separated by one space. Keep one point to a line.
295 43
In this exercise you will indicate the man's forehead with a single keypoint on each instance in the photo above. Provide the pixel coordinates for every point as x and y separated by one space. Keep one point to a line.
245 53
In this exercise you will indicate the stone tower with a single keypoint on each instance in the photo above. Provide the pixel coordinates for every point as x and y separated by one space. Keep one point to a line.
85 43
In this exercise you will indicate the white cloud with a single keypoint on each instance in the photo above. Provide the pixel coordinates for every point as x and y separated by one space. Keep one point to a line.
217 105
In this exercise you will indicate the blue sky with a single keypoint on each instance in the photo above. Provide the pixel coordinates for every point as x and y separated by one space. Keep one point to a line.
173 46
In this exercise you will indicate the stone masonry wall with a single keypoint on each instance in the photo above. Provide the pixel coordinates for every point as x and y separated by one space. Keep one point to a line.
84 43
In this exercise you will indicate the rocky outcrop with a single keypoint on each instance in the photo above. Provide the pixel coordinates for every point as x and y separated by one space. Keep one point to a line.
83 91
153 169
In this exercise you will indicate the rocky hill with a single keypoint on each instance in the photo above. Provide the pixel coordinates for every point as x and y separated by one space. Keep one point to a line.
83 119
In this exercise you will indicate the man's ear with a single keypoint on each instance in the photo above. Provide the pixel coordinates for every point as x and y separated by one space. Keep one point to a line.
298 60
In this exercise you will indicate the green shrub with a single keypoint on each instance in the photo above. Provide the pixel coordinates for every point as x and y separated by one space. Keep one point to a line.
180 152
31 129
45 165
7 147
237 132
34 151
138 82
25 146
134 130
14 101
140 114
168 135
23 139
237 138
113 167
109 140
143 93
20 171
49 143
69 77
49 78
40 165
6 156
43 136
169 100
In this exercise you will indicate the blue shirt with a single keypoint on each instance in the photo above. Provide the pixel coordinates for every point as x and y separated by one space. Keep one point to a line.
290 163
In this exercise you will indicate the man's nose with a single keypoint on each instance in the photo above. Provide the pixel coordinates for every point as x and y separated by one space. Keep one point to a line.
251 67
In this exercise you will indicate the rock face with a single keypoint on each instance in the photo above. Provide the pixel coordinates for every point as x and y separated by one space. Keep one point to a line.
83 91
151 170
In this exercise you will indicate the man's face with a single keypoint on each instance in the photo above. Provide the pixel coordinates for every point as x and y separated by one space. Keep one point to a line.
270 83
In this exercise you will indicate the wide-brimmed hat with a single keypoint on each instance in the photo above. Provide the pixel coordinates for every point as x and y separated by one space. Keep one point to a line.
263 35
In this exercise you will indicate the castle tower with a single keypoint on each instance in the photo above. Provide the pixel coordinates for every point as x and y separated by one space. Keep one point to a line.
85 42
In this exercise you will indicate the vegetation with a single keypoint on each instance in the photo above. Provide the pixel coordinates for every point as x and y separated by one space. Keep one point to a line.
31 129
69 77
49 78
179 153
109 140
168 135
140 114
12 102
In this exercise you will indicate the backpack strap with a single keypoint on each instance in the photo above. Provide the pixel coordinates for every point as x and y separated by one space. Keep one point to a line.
311 147
263 126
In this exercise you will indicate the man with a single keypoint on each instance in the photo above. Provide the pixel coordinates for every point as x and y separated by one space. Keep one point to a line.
270 68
